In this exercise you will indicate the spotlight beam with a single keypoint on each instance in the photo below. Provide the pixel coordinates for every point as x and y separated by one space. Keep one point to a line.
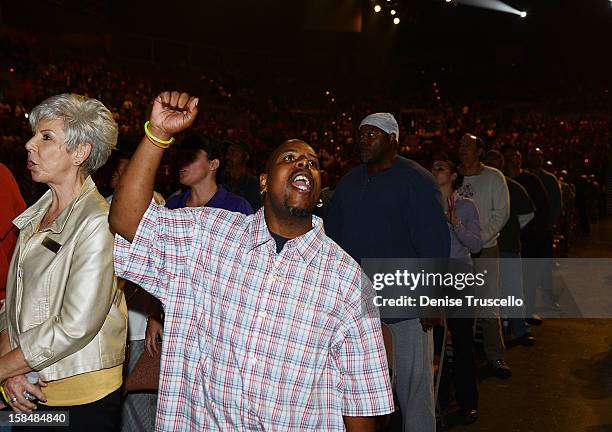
495 5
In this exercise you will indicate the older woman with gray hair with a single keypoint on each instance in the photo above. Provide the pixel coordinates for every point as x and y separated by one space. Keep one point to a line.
65 320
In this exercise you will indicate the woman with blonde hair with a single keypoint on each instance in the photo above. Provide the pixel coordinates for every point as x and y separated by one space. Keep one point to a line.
64 319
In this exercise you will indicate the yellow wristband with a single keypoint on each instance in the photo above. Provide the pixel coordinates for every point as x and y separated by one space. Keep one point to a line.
157 141
4 395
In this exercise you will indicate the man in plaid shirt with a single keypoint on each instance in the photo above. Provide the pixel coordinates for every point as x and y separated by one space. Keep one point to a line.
268 326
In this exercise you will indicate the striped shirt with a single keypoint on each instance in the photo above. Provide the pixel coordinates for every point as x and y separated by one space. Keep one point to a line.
255 340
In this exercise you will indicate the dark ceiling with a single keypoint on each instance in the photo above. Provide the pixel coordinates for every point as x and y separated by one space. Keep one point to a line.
568 36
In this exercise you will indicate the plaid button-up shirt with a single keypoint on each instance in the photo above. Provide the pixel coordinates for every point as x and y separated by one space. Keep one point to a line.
255 340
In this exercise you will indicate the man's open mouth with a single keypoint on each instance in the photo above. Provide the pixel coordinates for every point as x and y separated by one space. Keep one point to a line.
302 182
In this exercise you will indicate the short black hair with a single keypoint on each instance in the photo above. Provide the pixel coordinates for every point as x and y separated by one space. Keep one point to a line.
199 141
479 142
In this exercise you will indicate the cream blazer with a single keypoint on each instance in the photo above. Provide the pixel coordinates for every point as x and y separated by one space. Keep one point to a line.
63 307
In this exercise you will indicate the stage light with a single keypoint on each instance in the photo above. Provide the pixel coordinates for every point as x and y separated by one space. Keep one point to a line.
396 20
393 12
497 5
377 8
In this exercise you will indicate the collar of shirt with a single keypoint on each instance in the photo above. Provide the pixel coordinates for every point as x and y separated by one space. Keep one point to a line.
307 245
36 212
218 199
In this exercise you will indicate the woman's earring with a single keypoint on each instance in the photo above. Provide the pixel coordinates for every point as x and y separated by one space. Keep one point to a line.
263 191
320 203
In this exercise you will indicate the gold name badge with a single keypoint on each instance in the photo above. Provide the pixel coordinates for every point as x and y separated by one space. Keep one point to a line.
51 244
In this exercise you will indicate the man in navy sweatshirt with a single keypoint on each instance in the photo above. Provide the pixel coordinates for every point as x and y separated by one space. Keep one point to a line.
390 207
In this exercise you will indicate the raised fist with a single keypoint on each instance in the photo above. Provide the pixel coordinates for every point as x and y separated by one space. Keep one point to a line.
172 113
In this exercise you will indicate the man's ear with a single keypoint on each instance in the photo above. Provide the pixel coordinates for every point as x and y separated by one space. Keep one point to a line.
263 182
81 154
393 140
214 164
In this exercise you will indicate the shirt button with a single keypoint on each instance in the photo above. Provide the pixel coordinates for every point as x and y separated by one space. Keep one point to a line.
263 314
252 359
275 277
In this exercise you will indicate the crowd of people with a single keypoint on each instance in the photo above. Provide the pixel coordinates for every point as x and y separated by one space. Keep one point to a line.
241 225
258 112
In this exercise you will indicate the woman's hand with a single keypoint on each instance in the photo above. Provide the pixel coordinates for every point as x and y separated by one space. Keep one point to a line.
172 113
154 332
16 386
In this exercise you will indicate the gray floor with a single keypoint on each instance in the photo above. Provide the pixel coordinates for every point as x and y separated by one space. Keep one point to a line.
564 383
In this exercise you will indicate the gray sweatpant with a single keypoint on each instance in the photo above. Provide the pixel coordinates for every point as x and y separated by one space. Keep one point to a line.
493 339
413 375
